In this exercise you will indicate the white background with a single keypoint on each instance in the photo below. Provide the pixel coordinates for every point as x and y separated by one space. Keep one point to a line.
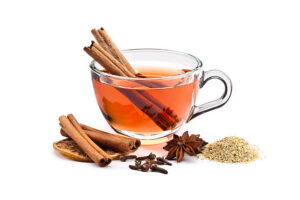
44 73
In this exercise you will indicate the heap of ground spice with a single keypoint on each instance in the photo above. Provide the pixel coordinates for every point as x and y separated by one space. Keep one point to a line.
230 150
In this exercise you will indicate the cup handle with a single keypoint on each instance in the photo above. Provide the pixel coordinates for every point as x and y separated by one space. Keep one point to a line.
208 75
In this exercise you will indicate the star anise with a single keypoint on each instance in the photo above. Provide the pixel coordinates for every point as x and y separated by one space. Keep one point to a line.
184 144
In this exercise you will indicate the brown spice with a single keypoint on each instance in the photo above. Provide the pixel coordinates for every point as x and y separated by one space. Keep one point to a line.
230 150
145 167
72 128
118 143
138 162
184 144
155 168
149 163
123 158
156 162
135 167
162 159
151 156
115 51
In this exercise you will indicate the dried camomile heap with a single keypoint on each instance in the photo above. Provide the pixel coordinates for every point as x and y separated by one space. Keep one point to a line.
230 150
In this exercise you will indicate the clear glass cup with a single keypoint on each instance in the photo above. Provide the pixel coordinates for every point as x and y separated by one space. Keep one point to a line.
156 107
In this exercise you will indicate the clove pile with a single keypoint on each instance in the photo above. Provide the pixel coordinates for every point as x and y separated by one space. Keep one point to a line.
146 163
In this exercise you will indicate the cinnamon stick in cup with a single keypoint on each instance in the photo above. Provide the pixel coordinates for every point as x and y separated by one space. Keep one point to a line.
73 130
100 40
165 120
117 143
115 51
103 60
113 60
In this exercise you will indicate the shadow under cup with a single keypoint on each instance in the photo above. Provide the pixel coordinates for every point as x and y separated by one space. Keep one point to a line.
151 108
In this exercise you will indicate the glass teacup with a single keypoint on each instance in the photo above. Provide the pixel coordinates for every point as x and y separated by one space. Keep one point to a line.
158 105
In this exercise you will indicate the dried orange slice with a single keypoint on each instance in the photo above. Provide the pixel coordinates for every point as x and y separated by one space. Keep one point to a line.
69 149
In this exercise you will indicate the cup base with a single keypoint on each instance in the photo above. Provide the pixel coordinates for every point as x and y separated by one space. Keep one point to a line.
156 141
150 138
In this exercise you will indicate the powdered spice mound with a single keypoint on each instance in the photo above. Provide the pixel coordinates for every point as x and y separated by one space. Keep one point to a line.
230 150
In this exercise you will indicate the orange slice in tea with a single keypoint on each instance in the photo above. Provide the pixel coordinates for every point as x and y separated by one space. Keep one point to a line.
69 149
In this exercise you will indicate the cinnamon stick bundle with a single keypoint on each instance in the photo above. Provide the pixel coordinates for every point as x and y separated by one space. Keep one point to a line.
117 143
73 129
102 37
109 56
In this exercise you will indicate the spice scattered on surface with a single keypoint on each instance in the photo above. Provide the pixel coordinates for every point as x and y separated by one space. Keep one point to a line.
150 163
190 144
230 150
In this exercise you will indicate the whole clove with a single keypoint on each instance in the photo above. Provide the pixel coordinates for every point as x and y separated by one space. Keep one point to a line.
134 167
155 168
138 163
123 158
150 162
151 156
145 167
138 166
162 159
157 162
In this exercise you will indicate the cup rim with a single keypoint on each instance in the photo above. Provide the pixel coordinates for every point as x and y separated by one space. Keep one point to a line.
199 66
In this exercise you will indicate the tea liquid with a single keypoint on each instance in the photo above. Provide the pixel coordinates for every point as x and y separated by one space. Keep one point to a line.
125 112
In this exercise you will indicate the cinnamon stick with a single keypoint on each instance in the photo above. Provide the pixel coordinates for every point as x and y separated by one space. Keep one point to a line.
155 111
82 132
112 59
168 110
115 51
117 143
103 60
156 114
70 126
100 40
160 114
127 72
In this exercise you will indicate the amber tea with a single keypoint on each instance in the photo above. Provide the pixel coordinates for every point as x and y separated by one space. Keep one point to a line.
147 108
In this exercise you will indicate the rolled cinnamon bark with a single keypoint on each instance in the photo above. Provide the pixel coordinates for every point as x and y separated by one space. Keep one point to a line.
115 51
94 152
110 141
104 61
100 40
112 59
